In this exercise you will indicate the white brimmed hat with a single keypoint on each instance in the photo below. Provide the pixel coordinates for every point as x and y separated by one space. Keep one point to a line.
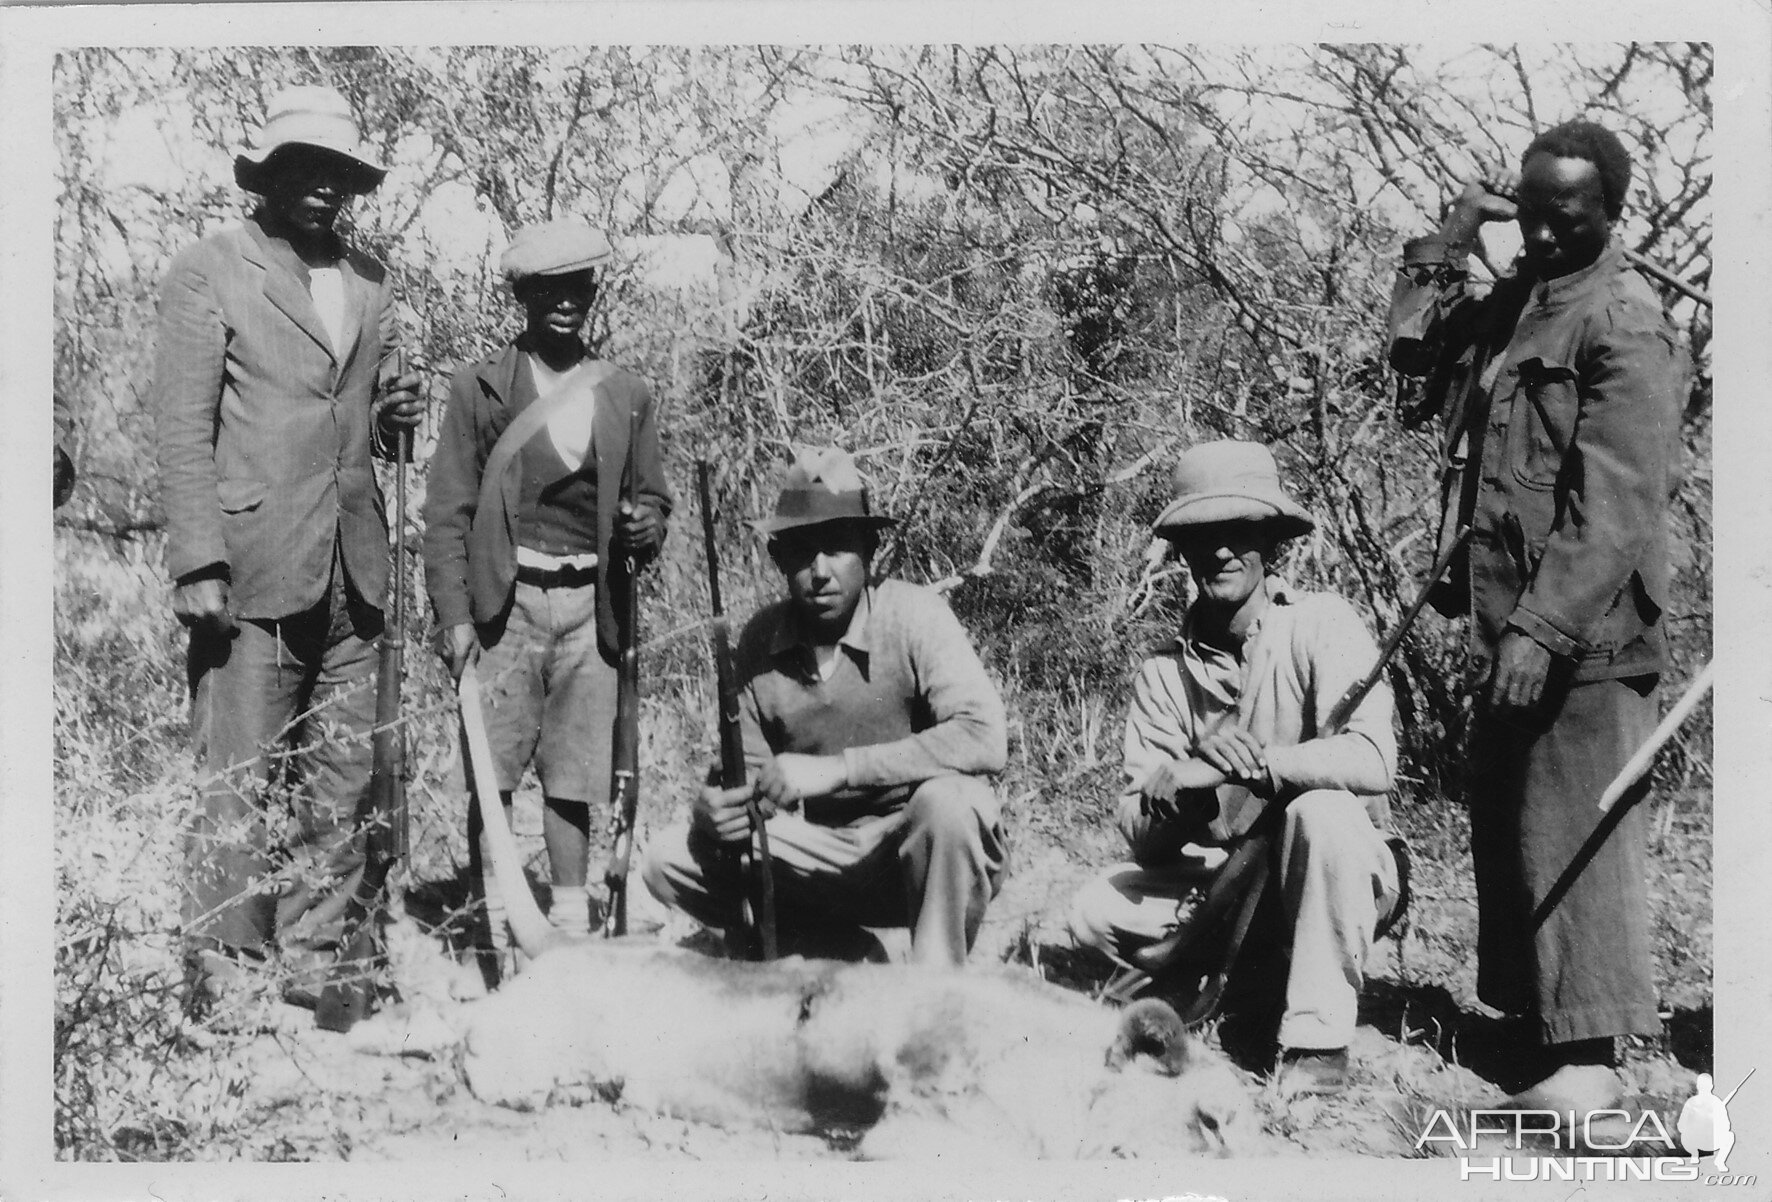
1230 481
308 116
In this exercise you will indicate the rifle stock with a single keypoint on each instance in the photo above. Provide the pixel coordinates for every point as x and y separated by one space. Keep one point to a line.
759 902
624 784
349 994
1244 873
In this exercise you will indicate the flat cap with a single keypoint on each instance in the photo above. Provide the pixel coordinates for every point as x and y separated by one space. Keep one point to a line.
556 247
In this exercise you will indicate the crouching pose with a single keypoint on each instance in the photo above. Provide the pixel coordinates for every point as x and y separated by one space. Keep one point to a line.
1225 717
869 725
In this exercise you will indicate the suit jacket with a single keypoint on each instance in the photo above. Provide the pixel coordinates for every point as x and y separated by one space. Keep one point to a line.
263 427
471 557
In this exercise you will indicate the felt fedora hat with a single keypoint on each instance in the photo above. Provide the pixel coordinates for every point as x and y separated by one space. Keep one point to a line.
557 247
308 116
823 485
1230 481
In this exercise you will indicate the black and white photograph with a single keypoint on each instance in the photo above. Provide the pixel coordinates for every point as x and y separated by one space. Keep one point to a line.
992 609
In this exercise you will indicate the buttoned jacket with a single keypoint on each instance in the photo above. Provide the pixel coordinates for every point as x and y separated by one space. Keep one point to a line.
263 426
471 556
1561 401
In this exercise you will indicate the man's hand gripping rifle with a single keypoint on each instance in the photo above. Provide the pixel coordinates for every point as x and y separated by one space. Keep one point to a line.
759 899
1242 878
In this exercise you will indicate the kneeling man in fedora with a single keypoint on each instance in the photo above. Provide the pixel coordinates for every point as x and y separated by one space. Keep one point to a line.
1223 718
869 728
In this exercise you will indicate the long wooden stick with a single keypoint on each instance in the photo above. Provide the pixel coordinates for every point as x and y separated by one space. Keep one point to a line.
1645 755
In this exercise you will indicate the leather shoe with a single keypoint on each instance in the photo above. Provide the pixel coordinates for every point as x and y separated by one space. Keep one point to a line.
1312 1070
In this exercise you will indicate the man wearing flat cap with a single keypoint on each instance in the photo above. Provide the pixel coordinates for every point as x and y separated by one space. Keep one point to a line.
1224 718
869 728
271 390
526 534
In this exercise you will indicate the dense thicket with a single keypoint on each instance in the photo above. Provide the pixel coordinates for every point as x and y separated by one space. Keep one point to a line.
1016 281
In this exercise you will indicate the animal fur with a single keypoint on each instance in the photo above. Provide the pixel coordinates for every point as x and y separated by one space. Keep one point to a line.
927 1062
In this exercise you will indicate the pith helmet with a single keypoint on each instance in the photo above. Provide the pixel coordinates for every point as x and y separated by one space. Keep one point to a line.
308 116
1229 481
823 485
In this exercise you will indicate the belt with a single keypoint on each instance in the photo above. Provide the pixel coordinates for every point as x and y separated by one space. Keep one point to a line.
556 577
538 569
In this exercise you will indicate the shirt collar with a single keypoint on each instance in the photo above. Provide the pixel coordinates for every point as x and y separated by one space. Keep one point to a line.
1562 287
788 636
1278 593
278 246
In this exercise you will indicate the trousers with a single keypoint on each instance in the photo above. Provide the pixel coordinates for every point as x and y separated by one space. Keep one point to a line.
1336 878
933 865
281 723
1588 970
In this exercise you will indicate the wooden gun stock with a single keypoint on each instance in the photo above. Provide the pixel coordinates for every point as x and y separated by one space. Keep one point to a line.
624 784
349 994
758 869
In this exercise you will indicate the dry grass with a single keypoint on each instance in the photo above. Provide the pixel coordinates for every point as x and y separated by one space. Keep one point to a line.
136 1080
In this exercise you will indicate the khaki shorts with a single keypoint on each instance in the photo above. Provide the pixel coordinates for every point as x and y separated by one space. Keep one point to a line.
550 696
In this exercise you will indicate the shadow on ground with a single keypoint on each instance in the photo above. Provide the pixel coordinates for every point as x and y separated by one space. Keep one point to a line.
1500 1050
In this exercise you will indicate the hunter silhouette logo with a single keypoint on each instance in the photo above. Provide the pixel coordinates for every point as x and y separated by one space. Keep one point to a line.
1704 1122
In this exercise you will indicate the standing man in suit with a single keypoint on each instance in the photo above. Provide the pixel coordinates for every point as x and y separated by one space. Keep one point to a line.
270 394
525 532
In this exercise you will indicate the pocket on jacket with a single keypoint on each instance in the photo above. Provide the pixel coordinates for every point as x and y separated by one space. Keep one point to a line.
240 496
1633 611
1541 422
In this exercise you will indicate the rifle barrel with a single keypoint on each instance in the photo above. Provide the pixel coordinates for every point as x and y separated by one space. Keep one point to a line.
624 757
1350 700
758 903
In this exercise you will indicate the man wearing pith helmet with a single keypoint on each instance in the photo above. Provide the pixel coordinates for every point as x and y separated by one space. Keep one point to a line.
870 728
1223 718
526 537
272 388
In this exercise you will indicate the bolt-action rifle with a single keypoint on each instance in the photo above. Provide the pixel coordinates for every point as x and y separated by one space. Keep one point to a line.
755 862
624 759
1242 878
349 994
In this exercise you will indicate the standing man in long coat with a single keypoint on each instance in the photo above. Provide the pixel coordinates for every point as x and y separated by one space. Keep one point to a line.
1560 390
270 391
